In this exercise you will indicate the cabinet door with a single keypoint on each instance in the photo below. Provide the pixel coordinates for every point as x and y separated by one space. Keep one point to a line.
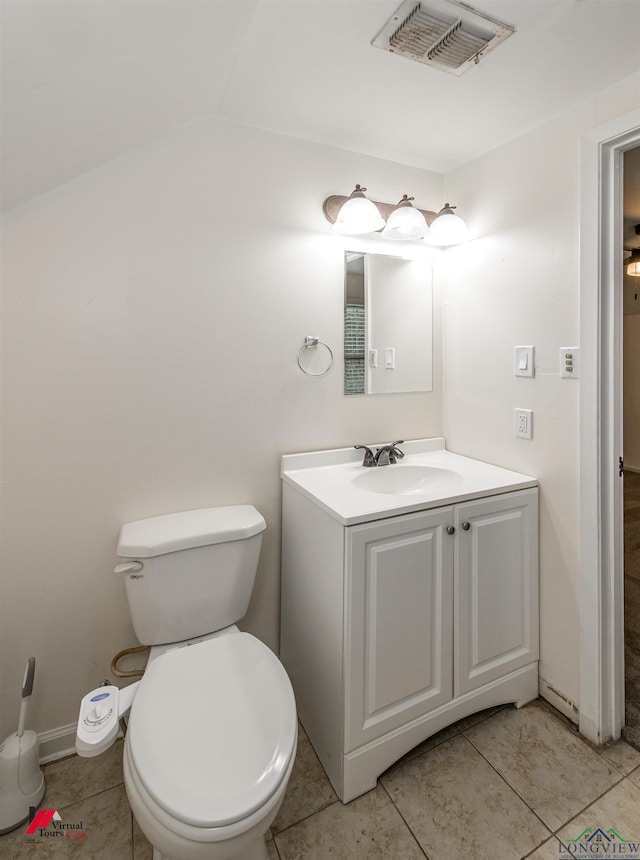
398 625
496 584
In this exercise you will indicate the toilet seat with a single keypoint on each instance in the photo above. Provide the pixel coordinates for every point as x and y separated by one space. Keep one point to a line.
212 730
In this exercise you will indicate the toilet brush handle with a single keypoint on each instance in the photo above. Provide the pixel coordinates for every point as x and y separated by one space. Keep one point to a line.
27 684
22 718
27 688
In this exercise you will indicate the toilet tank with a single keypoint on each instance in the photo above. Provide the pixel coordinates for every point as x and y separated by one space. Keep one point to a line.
197 574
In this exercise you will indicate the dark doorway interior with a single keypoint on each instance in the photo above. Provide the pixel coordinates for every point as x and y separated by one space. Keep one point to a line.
631 731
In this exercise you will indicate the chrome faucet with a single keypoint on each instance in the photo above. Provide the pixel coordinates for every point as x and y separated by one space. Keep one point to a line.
369 456
384 456
389 454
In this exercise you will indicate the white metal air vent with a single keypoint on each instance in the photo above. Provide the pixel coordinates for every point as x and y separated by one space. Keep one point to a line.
441 33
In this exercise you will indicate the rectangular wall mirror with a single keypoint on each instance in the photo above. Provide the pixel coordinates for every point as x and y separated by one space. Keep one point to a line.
387 324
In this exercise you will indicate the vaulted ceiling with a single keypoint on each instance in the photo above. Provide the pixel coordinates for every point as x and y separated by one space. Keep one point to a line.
85 81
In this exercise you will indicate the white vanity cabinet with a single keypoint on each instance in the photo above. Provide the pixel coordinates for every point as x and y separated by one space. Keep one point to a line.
398 622
396 627
496 586
431 616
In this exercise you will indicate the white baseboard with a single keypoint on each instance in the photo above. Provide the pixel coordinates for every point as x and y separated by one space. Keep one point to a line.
559 701
57 743
61 742
629 468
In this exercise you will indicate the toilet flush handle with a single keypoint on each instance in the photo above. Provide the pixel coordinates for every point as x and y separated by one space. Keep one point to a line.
128 567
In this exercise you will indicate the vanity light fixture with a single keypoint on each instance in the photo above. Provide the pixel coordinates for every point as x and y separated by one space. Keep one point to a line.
357 215
633 263
448 228
406 222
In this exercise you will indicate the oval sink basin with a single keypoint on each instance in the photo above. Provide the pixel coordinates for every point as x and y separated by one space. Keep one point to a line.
398 480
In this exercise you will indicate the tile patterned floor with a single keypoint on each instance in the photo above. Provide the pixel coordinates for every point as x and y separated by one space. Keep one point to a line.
502 785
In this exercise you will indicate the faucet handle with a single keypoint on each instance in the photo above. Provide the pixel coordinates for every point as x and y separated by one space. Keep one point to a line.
369 456
394 452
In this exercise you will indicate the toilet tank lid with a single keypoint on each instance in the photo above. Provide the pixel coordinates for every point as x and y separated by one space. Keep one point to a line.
188 529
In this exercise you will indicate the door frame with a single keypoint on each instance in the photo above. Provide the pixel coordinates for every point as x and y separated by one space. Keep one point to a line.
601 511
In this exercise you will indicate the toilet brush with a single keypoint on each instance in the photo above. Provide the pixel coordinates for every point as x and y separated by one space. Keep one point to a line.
21 780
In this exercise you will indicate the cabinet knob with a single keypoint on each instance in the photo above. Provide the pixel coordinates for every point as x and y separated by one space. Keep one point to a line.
451 530
466 526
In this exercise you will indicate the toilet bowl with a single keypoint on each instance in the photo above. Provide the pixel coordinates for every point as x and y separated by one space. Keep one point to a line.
212 733
209 749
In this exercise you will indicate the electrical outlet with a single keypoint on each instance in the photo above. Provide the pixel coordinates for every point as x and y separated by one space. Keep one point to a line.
524 423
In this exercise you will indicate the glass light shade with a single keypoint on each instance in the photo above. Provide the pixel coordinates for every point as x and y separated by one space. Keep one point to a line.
633 266
448 229
633 269
405 222
358 215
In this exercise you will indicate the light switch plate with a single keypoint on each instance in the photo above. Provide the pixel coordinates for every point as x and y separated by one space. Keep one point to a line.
524 360
570 362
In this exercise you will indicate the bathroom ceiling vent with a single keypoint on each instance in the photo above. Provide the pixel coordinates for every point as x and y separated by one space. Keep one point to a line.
441 33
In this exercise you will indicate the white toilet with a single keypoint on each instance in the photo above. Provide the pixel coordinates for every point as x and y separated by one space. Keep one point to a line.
212 732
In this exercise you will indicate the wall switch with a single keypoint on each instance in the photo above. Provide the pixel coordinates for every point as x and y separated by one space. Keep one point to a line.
570 362
524 423
390 358
524 360
373 358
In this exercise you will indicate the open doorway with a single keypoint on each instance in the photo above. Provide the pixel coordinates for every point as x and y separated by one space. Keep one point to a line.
631 445
602 698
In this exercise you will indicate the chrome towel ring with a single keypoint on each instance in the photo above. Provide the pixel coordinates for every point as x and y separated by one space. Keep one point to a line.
309 357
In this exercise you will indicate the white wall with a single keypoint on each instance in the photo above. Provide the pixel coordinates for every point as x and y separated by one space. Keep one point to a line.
519 285
153 311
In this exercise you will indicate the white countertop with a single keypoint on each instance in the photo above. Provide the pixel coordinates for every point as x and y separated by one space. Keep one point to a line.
334 480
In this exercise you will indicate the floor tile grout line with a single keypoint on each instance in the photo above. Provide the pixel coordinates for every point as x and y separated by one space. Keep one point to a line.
569 820
586 743
511 787
553 836
575 730
614 769
91 796
275 845
408 826
566 722
418 755
621 772
424 753
338 801
407 757
584 808
305 818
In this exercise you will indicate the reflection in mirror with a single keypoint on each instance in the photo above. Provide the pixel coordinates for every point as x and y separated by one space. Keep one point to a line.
387 324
